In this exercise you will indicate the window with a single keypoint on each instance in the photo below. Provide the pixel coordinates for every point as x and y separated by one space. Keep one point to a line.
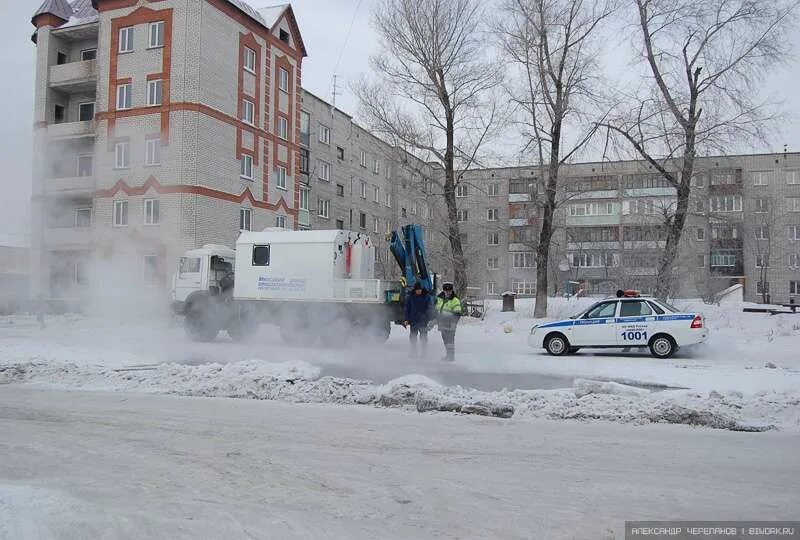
153 153
519 186
719 179
283 79
280 222
83 217
245 219
376 225
761 178
86 111
151 273
61 58
155 90
304 192
85 165
280 178
523 287
156 34
794 232
362 158
494 190
793 204
363 190
700 233
323 208
701 261
522 259
152 210
340 224
324 134
376 194
602 311
762 261
248 111
492 214
188 265
635 308
493 239
304 161
324 172
726 203
126 39
362 220
794 288
283 128
58 114
698 181
762 232
793 177
340 190
339 152
491 287
592 209
463 215
461 190
762 287
124 96
122 155
388 199
246 162
120 217
88 54
699 207
492 263
376 166
250 60
794 260
723 258
261 255
761 206
283 35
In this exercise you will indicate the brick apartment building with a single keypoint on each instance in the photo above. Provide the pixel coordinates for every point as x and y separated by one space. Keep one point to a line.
163 125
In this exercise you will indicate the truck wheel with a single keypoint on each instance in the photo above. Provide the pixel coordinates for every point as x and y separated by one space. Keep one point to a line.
556 345
242 330
200 326
662 346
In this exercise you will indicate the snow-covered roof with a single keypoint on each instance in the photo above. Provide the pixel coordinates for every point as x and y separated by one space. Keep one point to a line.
271 14
59 8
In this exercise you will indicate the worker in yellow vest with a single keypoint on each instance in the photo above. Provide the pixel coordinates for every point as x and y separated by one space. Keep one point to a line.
448 311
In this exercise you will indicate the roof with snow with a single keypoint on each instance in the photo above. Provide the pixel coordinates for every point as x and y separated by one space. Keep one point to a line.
59 8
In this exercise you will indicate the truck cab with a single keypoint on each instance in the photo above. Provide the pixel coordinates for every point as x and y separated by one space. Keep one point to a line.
207 270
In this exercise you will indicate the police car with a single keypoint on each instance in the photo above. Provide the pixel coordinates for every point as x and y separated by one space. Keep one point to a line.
629 320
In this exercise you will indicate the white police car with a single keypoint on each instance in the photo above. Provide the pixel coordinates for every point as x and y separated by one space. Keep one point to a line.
629 321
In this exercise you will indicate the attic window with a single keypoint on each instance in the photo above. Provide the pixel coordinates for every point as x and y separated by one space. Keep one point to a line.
284 36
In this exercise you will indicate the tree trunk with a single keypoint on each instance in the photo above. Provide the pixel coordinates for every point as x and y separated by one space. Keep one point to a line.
546 233
665 283
456 249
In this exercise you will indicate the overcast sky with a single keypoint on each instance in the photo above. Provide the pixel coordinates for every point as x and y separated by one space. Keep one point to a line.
324 25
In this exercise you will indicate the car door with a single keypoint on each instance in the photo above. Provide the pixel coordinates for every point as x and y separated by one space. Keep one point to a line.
635 323
596 327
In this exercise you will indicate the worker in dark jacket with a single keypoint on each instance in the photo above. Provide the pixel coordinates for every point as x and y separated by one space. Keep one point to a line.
448 311
416 318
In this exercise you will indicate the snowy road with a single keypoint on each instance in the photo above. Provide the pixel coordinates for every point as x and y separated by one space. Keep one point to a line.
91 465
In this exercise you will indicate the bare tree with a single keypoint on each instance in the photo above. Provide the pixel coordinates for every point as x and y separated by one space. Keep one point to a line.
432 96
704 60
552 44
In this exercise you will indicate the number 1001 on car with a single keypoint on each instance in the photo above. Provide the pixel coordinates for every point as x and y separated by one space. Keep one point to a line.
631 335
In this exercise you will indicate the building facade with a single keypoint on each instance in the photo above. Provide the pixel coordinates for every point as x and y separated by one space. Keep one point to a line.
164 125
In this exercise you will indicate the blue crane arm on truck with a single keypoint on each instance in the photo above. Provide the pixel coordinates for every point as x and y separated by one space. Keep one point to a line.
409 252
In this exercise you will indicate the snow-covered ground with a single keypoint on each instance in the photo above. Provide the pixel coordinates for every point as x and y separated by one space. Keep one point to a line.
747 376
81 465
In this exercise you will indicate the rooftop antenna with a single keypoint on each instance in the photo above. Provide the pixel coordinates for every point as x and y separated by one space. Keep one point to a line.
335 92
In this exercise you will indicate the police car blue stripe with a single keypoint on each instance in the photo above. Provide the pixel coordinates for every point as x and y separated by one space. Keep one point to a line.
585 322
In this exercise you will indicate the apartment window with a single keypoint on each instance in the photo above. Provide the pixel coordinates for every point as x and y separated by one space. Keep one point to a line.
794 260
245 219
324 172
156 34
86 111
155 90
340 190
762 287
720 179
153 153
376 225
726 203
493 239
246 163
593 209
363 190
761 205
83 217
250 60
280 222
152 210
376 194
762 232
120 217
85 165
362 220
699 207
723 258
362 159
762 261
701 261
376 166
248 111
126 39
59 114
339 152
88 54
491 287
698 181
283 79
492 214
461 190
323 208
523 259
340 224
280 180
794 232
61 58
794 288
527 288
494 190
700 233
324 134
388 199
124 96
304 161
283 35
463 215
793 177
304 193
283 128
122 155
519 186
492 263
761 178
793 204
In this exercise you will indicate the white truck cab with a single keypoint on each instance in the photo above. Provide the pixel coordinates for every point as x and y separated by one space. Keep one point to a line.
200 270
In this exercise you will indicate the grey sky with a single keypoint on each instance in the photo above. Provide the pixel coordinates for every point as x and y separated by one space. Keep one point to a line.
324 24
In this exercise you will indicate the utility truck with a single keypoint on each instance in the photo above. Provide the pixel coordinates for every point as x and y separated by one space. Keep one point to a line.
312 284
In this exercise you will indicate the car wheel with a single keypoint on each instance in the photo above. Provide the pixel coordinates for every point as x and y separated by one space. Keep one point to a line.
662 346
557 345
573 350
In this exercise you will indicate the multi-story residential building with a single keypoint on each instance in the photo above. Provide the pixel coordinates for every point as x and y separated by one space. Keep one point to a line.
164 126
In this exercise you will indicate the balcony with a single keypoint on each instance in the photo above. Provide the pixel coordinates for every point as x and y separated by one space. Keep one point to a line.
519 197
650 192
582 246
74 76
604 194
68 237
522 222
644 244
592 220
71 130
641 271
75 185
